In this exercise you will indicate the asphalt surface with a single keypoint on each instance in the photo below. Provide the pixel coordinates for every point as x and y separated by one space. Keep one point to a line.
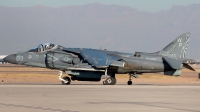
99 98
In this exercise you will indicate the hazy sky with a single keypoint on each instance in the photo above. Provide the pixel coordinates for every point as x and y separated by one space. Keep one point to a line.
142 5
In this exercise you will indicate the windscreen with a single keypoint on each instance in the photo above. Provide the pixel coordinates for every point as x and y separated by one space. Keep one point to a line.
42 47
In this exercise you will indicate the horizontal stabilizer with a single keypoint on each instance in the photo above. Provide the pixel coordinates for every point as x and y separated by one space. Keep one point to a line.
174 63
188 67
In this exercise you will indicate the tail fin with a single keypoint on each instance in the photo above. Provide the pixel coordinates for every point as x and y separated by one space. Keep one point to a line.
177 48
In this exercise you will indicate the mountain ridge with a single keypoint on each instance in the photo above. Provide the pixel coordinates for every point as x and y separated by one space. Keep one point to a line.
114 27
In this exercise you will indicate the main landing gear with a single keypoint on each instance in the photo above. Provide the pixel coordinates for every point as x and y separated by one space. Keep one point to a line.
131 77
65 80
109 80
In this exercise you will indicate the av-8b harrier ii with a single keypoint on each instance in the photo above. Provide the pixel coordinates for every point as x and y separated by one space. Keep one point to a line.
84 64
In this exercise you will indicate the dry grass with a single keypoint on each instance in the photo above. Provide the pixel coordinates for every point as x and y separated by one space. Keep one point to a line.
24 69
38 76
123 78
31 77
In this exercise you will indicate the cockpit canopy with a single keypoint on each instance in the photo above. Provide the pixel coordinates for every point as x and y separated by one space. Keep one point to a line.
43 47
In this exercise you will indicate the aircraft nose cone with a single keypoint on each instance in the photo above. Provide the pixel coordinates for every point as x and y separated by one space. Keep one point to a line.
11 58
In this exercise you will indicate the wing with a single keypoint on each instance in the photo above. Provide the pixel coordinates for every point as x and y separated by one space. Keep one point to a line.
97 58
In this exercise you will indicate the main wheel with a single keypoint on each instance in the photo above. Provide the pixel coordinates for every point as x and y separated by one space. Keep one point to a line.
110 81
113 81
67 80
104 83
129 82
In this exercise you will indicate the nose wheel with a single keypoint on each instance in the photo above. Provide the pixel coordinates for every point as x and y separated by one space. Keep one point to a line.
65 80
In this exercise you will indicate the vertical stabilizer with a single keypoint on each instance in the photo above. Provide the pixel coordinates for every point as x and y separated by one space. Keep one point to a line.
177 48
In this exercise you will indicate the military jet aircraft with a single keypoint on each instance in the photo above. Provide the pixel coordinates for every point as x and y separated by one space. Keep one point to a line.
84 64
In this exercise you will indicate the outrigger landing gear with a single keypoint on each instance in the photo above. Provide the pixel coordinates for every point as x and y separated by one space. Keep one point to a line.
131 77
65 80
109 80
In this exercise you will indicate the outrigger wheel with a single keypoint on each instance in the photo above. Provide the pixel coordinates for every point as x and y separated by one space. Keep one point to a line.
129 82
131 75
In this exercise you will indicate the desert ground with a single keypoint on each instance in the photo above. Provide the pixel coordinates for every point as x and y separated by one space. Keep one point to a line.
10 73
28 89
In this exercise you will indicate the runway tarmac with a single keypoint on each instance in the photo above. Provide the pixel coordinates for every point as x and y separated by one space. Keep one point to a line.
99 98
